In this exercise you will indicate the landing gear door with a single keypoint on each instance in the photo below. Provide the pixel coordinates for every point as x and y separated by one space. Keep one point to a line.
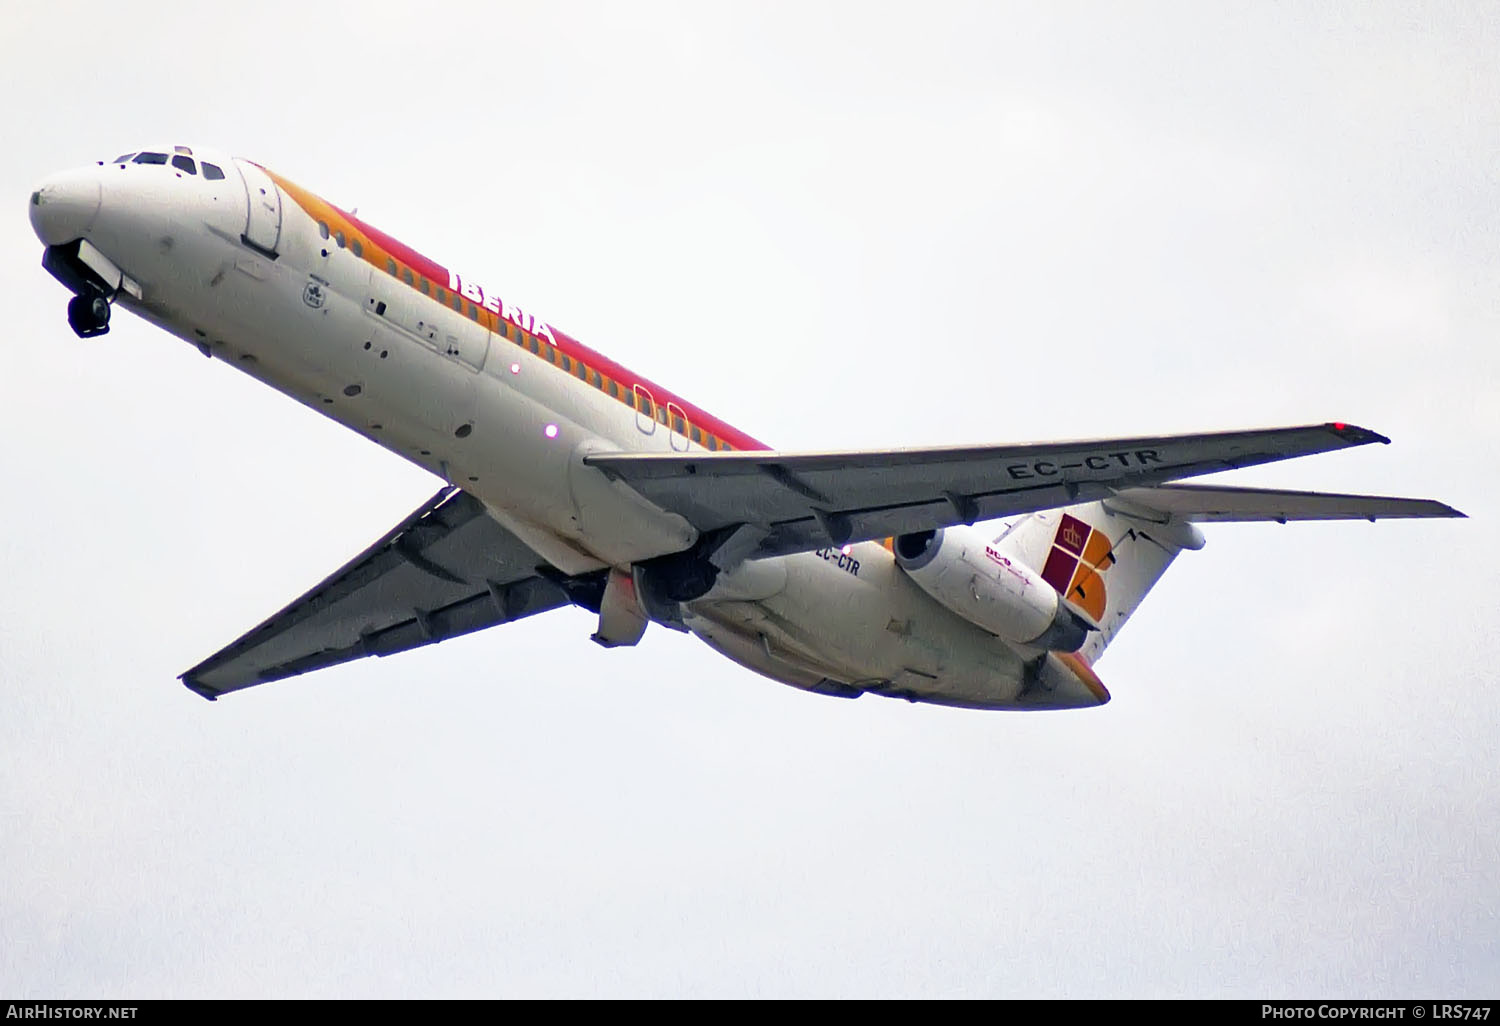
263 214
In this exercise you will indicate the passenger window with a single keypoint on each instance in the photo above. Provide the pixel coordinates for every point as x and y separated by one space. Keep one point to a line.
151 158
567 365
212 172
407 276
458 303
390 267
532 343
182 163
338 238
678 425
357 247
697 436
439 295
614 390
661 414
645 404
473 312
425 291
713 443
583 373
322 225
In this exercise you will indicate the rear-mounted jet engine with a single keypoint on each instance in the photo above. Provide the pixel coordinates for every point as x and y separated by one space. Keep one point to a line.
969 576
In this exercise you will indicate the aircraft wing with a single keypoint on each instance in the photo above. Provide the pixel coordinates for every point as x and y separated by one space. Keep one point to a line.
1205 503
768 503
448 569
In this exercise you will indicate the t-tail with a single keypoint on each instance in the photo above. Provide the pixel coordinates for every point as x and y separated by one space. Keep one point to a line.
1103 557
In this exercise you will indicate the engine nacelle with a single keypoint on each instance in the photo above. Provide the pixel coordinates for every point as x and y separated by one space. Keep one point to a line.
968 575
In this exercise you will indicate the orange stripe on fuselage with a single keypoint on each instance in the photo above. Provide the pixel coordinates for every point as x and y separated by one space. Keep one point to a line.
379 249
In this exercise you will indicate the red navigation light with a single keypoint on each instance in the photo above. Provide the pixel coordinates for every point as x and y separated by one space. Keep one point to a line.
1339 425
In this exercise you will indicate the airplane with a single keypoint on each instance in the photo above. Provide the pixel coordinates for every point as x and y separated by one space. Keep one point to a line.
569 479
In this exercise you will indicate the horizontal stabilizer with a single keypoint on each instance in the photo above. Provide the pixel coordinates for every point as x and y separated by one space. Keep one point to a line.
1212 503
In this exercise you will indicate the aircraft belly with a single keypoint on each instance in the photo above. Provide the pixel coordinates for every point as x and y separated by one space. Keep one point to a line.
867 626
844 622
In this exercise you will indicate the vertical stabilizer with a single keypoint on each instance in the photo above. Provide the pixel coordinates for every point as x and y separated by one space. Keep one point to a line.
1101 557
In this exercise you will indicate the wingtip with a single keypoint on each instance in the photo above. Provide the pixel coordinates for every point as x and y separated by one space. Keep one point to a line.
198 688
1355 435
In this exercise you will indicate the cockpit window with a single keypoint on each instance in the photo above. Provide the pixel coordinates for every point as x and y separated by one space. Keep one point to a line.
151 158
122 160
182 163
211 171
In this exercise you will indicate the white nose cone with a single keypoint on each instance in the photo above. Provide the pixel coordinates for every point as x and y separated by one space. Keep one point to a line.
64 207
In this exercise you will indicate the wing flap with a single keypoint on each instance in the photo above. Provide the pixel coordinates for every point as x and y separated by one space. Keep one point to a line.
446 570
806 500
1218 504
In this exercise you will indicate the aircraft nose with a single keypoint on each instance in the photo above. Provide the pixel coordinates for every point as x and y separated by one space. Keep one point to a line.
63 207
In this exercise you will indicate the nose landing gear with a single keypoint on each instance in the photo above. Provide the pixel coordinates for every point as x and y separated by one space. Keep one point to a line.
92 278
88 315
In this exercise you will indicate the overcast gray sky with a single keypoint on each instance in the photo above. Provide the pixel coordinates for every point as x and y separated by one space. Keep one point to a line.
833 225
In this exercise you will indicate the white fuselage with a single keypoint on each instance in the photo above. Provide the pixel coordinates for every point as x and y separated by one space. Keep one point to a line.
263 289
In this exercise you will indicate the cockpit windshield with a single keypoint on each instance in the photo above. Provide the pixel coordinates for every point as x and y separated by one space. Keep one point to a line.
180 159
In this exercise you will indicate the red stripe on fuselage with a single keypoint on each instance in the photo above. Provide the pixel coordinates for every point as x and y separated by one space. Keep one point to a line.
440 277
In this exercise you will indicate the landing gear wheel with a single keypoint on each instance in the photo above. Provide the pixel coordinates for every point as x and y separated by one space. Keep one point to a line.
88 315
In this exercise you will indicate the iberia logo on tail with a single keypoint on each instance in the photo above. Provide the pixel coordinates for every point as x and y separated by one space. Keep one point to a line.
1080 554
